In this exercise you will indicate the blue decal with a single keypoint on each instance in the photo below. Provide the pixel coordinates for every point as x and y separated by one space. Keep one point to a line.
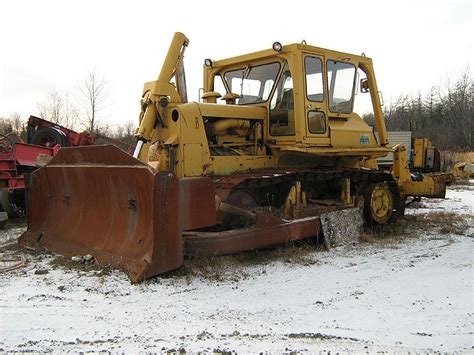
364 139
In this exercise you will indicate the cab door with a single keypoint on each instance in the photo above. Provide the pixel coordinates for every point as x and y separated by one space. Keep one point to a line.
316 118
283 115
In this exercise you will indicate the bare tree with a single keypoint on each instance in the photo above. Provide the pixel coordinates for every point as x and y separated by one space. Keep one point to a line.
126 133
15 119
443 115
119 132
94 93
5 125
58 109
50 109
129 136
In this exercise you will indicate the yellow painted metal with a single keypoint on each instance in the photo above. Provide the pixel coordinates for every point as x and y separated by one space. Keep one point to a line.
400 168
192 159
241 126
429 186
224 165
195 139
420 146
234 111
370 164
346 191
381 203
367 67
346 129
152 111
353 152
211 97
295 201
163 85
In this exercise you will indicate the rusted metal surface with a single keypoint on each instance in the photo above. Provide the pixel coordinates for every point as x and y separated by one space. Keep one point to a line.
98 200
269 230
17 157
196 203
444 178
73 138
440 182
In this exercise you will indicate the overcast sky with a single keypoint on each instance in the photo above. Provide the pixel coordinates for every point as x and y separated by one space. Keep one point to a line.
47 44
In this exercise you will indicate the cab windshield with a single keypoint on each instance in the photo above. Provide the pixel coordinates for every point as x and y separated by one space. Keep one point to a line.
253 83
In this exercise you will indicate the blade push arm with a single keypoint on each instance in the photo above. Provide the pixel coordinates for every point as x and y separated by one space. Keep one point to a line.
158 94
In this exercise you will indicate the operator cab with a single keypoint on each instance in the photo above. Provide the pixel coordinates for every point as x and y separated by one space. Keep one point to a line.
308 93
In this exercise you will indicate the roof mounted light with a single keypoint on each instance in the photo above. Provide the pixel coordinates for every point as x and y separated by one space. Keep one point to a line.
208 63
277 46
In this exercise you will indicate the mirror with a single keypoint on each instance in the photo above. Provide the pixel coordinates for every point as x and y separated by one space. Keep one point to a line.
364 85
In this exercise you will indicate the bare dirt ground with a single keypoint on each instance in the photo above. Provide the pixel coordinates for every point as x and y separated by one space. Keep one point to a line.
407 287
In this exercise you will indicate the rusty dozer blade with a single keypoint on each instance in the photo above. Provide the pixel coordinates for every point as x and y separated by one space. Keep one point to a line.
99 200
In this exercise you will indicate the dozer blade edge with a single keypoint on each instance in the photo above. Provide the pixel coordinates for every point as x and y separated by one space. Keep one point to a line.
98 200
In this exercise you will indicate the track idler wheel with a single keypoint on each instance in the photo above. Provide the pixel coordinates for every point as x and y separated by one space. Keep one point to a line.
244 200
378 203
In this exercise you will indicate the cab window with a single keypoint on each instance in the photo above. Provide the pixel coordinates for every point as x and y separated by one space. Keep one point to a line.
316 122
313 67
341 79
219 87
253 83
282 113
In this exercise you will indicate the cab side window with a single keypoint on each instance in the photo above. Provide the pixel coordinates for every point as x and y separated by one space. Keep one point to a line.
220 88
341 79
314 78
282 112
316 122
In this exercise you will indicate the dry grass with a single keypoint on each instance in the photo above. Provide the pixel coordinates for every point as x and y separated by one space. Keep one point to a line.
232 267
66 263
414 226
366 237
450 158
447 222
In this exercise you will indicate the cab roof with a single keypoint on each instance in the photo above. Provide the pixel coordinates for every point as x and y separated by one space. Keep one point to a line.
288 49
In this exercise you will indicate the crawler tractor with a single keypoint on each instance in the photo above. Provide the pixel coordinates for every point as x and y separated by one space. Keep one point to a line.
274 144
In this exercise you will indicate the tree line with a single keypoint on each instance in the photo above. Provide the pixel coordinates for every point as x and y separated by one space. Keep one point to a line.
81 114
444 114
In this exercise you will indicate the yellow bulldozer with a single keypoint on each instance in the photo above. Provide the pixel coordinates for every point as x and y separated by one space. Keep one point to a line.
274 144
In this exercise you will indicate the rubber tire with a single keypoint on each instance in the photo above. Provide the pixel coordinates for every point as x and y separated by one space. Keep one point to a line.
58 136
371 218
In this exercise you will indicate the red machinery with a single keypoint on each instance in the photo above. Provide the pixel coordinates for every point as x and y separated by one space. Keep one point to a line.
18 158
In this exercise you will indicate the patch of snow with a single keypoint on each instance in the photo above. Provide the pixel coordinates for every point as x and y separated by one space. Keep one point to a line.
415 294
459 199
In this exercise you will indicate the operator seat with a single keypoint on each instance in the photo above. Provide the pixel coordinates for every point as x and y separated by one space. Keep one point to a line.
282 119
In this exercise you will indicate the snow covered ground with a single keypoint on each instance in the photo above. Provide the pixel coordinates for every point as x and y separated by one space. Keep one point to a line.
407 289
